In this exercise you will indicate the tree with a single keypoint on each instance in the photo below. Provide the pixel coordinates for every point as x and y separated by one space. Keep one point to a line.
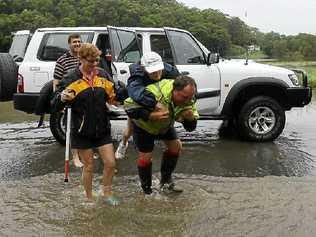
216 30
240 32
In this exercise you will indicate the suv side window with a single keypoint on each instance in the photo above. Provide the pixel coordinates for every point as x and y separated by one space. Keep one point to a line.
160 45
126 48
186 49
56 44
18 46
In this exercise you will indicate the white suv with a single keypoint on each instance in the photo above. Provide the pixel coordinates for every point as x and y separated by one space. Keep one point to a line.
252 97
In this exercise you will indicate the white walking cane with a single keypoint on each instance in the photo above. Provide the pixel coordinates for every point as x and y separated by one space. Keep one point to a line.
67 150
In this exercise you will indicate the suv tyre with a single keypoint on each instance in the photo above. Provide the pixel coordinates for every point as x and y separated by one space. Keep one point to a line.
57 124
261 119
8 77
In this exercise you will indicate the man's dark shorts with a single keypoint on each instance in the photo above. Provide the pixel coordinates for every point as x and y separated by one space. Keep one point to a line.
79 142
145 141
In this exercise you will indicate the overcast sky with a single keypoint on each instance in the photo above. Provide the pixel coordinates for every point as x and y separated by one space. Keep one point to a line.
288 17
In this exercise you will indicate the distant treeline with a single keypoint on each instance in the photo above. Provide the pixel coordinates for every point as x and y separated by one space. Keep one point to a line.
217 31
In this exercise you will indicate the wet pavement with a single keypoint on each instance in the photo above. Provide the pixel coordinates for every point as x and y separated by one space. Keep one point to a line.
232 188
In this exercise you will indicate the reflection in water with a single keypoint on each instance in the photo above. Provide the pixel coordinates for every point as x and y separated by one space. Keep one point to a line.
31 151
233 158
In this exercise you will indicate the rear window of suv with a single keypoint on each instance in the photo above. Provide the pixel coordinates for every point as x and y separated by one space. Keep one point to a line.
160 45
56 44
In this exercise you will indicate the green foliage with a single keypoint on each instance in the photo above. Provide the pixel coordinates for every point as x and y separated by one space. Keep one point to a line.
211 27
217 31
311 72
279 49
240 32
257 55
291 48
237 51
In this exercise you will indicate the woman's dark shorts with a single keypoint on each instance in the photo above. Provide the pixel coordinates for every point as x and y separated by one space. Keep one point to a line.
145 141
79 142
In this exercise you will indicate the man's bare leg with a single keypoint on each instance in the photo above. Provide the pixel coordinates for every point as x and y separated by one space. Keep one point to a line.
127 133
76 158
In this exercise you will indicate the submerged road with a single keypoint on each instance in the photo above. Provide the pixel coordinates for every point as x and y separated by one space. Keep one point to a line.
232 188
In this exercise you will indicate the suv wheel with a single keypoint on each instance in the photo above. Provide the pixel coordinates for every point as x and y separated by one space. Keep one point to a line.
261 119
57 124
8 77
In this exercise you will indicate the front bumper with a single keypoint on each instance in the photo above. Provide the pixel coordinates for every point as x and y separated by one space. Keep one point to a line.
298 97
25 102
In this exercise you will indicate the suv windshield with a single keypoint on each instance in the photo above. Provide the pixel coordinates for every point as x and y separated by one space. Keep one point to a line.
18 46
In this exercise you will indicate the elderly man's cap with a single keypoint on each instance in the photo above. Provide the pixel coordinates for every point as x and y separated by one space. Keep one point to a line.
152 62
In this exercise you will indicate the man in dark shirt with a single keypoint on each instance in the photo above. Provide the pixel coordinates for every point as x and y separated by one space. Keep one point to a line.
64 64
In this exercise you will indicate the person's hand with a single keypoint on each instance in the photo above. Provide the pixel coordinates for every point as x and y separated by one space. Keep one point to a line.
67 95
160 107
159 115
121 84
186 115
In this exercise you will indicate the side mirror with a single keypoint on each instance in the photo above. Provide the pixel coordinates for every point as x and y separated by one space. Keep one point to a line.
212 58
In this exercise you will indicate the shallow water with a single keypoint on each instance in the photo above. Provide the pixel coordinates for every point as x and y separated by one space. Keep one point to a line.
210 206
232 188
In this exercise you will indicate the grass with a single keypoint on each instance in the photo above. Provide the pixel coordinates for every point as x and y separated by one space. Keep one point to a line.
257 55
308 66
311 72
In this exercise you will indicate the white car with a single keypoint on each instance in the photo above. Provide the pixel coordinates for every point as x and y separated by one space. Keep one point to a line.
252 97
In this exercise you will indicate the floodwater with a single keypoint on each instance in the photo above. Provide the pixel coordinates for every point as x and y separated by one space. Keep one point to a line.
232 188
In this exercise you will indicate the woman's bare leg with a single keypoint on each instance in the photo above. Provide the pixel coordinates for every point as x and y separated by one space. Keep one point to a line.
87 172
107 155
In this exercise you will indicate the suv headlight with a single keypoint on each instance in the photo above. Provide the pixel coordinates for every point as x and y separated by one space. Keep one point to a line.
294 79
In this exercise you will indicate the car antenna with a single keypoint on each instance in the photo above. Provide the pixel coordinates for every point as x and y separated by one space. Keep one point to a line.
247 55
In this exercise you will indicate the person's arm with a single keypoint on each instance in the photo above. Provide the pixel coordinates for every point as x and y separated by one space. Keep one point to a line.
61 96
136 111
141 113
109 88
169 72
189 125
188 117
118 87
121 92
137 91
58 74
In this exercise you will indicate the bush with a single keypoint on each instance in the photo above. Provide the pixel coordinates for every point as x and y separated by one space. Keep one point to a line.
295 56
236 51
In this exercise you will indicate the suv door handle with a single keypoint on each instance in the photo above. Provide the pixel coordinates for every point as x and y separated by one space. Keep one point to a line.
123 71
